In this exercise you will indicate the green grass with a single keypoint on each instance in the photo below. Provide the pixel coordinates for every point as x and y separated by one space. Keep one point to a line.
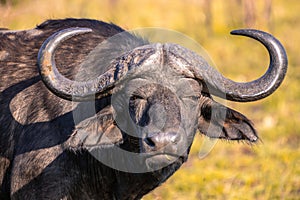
268 170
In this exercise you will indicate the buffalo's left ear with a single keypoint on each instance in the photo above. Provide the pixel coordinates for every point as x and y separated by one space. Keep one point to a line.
218 121
97 131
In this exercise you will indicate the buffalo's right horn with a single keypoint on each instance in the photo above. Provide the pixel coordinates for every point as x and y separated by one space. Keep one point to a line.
62 86
91 89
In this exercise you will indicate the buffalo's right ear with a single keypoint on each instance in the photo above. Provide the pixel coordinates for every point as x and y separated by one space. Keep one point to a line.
218 121
97 131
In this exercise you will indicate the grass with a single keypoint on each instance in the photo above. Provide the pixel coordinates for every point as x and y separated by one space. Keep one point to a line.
268 170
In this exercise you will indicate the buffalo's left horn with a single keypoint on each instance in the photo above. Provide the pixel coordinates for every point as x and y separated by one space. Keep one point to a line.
235 91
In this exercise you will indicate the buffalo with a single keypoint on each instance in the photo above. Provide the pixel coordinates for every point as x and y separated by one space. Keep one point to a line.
84 116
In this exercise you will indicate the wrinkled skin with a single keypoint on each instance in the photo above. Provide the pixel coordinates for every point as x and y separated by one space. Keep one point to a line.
44 154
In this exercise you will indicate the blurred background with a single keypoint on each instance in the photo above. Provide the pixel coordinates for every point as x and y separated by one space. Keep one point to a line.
232 170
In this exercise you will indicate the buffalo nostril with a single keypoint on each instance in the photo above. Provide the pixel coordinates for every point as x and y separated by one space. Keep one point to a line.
149 142
160 140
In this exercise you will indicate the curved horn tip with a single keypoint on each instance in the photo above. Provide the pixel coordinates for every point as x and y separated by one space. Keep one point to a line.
238 31
51 42
69 32
247 32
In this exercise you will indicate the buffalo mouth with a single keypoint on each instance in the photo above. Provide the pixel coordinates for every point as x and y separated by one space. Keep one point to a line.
161 160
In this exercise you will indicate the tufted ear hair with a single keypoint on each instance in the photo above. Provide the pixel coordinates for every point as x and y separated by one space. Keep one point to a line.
218 121
97 131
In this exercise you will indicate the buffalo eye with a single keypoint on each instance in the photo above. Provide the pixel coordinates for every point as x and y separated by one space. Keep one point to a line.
138 109
194 98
